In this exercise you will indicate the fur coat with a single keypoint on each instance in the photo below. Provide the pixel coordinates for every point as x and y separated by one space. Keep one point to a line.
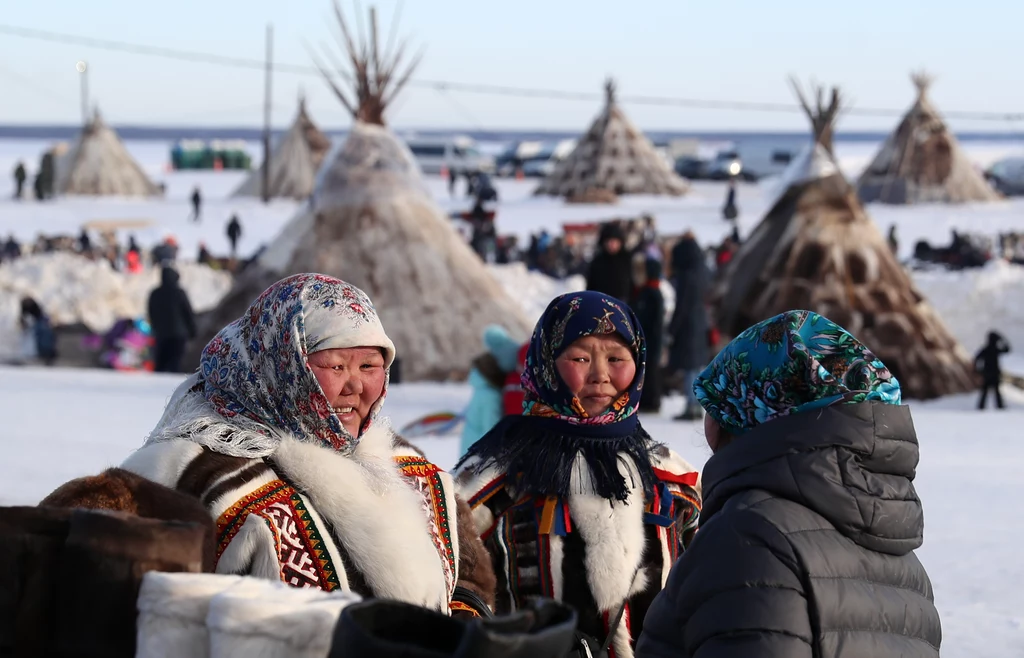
600 552
381 522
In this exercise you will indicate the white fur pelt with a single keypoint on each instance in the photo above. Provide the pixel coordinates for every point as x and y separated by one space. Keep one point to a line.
375 513
172 613
613 534
265 619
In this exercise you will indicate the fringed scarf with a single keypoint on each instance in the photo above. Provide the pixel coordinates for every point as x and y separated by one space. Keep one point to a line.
539 449
254 373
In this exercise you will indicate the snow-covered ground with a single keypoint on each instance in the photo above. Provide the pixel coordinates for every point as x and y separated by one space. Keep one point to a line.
968 478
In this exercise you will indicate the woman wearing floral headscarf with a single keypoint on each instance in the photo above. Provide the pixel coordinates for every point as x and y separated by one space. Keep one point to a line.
810 517
573 499
279 434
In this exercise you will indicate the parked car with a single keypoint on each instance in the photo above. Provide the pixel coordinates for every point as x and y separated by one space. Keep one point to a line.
692 167
1007 176
458 154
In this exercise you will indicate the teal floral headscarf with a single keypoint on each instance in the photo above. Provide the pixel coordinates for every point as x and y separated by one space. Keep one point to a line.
796 361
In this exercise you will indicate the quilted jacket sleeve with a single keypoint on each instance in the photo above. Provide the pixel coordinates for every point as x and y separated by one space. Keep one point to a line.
735 592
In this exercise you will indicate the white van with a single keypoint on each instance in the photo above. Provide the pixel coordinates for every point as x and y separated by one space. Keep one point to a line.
458 154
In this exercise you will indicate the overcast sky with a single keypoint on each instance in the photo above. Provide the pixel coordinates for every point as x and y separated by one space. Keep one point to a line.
741 50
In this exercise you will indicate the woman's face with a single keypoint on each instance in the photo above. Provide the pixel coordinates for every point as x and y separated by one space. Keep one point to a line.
712 433
352 378
597 369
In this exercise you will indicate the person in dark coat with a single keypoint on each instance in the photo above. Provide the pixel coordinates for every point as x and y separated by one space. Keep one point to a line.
234 232
987 364
729 211
610 270
650 310
19 179
197 203
810 518
172 321
688 329
37 324
84 242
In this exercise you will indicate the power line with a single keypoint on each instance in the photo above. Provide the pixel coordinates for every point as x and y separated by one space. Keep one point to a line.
467 87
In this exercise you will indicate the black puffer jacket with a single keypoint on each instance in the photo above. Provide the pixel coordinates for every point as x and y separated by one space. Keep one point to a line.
805 546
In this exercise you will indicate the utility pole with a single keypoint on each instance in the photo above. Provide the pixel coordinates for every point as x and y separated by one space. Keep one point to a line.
266 115
83 70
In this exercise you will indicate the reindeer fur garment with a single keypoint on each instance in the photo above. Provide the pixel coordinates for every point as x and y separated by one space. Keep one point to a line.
374 520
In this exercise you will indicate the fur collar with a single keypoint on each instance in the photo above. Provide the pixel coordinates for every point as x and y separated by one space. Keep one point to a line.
369 506
373 511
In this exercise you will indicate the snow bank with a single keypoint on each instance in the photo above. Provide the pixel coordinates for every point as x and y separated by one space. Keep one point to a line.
973 302
73 289
533 290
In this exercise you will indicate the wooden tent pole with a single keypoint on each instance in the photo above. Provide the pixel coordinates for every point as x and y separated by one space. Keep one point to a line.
266 115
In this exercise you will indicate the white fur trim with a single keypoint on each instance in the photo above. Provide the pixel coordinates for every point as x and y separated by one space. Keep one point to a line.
613 533
253 551
163 462
557 550
172 613
380 518
261 619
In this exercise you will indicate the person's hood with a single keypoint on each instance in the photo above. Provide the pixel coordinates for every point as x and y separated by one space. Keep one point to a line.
169 278
653 269
687 255
853 464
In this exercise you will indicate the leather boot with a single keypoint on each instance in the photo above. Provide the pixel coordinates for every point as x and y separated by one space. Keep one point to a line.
105 557
31 546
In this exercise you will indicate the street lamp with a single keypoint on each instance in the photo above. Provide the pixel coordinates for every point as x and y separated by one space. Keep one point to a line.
82 67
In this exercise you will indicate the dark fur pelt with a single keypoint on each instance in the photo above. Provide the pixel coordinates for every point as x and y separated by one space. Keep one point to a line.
119 490
476 572
542 456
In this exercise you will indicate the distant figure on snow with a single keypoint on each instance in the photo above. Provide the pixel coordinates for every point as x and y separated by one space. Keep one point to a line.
729 211
172 321
688 329
894 241
84 242
39 341
19 179
650 311
204 256
611 269
234 233
987 364
197 202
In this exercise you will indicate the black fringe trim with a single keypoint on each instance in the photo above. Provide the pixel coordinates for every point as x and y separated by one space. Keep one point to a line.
541 454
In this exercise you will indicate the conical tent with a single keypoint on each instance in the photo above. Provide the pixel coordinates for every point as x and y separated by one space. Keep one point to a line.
612 158
374 224
294 161
99 165
922 162
817 249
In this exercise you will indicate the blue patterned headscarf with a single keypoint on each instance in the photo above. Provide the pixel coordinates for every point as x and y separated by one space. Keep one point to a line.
568 318
541 448
796 361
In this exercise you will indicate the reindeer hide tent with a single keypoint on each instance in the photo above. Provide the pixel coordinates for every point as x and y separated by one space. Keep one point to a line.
922 162
612 158
817 249
294 161
373 223
99 165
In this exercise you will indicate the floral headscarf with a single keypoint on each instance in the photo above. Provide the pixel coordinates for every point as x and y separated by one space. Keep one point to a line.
255 372
796 361
568 318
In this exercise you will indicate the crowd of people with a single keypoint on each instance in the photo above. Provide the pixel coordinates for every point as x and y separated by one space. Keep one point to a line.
567 502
